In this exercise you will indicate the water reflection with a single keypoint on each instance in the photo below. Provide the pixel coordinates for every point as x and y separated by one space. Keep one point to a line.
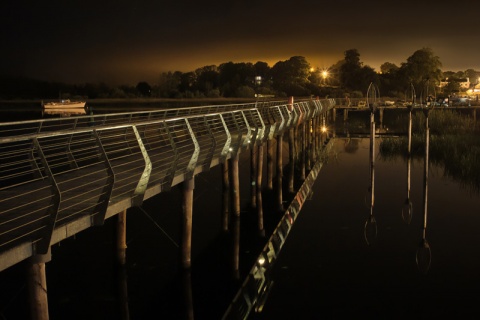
424 255
407 210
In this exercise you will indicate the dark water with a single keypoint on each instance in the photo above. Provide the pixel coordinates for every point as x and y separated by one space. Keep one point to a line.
325 270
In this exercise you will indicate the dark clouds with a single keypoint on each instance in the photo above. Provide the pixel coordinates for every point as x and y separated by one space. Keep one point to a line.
128 41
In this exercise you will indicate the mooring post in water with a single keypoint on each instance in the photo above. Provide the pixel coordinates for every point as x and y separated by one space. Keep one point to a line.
279 171
37 286
253 175
122 237
270 164
188 186
259 188
226 196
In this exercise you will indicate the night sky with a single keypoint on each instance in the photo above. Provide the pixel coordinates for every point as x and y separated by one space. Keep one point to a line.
123 42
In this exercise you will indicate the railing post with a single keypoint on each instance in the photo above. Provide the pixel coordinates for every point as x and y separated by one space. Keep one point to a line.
37 286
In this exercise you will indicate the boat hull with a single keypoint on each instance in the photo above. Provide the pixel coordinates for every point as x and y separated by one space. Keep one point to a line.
64 105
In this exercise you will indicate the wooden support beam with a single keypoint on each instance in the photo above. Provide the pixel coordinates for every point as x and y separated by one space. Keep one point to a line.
188 186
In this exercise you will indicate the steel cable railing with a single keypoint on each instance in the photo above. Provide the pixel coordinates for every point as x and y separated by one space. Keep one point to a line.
50 178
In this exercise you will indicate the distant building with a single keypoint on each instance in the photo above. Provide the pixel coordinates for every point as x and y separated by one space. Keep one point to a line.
464 83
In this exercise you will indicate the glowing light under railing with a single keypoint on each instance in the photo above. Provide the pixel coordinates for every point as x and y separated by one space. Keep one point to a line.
324 129
230 149
261 261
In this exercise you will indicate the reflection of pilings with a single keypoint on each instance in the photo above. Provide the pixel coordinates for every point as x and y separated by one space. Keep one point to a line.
123 293
334 114
188 295
372 158
259 187
279 171
188 186
270 164
291 158
37 286
122 237
253 174
425 181
226 196
236 247
474 114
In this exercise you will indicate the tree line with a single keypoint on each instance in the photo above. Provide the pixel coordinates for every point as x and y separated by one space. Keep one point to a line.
292 77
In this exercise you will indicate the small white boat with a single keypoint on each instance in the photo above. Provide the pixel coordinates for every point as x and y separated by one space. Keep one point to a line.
64 104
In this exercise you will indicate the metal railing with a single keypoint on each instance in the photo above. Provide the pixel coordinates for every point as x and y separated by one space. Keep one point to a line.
59 171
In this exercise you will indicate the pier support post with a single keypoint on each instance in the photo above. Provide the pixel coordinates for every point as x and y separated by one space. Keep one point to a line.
37 286
279 172
314 139
302 147
226 196
270 164
291 158
188 186
259 188
253 175
345 115
235 185
381 111
334 114
122 237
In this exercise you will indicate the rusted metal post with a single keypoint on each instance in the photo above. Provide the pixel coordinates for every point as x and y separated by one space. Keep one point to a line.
188 186
226 196
259 187
270 164
122 237
253 175
279 172
37 286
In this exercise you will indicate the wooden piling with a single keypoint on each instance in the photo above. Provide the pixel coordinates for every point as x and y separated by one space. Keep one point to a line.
259 187
279 172
235 185
270 164
122 237
291 158
303 152
253 176
188 186
37 286
226 196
